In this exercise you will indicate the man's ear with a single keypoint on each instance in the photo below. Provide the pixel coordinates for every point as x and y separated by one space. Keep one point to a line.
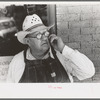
26 40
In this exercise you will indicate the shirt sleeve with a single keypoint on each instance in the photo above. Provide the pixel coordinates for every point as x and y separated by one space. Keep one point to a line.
77 64
16 68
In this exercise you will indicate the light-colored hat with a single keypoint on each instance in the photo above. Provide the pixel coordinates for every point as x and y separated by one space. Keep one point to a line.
30 22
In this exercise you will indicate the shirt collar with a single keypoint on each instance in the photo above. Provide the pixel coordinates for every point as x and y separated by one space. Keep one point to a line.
29 56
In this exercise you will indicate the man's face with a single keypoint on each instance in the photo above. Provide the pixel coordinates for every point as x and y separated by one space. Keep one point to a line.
38 39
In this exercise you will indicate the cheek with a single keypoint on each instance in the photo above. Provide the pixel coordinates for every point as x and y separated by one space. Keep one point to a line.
36 44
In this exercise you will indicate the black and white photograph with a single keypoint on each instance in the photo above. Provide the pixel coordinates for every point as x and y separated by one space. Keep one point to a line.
51 43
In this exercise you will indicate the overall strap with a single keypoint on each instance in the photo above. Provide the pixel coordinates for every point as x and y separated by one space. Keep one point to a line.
59 63
24 53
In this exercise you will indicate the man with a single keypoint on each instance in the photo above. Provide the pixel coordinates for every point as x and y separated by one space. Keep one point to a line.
47 58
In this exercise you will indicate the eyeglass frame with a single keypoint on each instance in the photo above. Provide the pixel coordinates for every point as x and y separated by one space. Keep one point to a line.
39 33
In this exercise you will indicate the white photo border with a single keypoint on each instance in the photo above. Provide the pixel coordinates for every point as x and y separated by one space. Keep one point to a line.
49 90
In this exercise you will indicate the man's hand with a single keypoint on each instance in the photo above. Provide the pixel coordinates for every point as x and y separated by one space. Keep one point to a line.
56 42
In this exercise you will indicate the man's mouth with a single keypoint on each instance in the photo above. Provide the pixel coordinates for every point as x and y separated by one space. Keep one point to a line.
44 43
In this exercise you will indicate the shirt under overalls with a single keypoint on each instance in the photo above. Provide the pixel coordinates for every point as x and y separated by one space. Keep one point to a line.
43 71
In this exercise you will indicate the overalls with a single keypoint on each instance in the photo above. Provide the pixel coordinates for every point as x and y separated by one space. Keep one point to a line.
43 71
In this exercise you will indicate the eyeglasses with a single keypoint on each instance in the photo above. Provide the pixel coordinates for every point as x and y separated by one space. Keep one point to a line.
39 35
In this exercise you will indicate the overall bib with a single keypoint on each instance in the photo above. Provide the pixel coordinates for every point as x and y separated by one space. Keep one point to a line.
44 71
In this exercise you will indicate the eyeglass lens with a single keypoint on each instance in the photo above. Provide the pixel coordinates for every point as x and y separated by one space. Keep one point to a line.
40 35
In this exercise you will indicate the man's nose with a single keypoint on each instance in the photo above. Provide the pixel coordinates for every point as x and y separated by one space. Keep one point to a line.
44 37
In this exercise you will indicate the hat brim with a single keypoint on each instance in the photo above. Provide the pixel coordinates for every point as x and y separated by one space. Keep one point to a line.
22 34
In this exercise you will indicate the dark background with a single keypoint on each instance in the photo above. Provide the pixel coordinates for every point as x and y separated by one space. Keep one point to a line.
9 44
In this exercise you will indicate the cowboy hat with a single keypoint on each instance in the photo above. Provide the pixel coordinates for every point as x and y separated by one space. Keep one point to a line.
30 23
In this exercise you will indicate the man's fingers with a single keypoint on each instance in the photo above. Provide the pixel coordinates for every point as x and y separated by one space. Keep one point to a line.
52 35
53 38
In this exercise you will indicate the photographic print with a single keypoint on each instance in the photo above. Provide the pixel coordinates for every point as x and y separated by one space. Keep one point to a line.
51 46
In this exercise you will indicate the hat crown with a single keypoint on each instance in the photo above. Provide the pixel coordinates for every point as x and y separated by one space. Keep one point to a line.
31 21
